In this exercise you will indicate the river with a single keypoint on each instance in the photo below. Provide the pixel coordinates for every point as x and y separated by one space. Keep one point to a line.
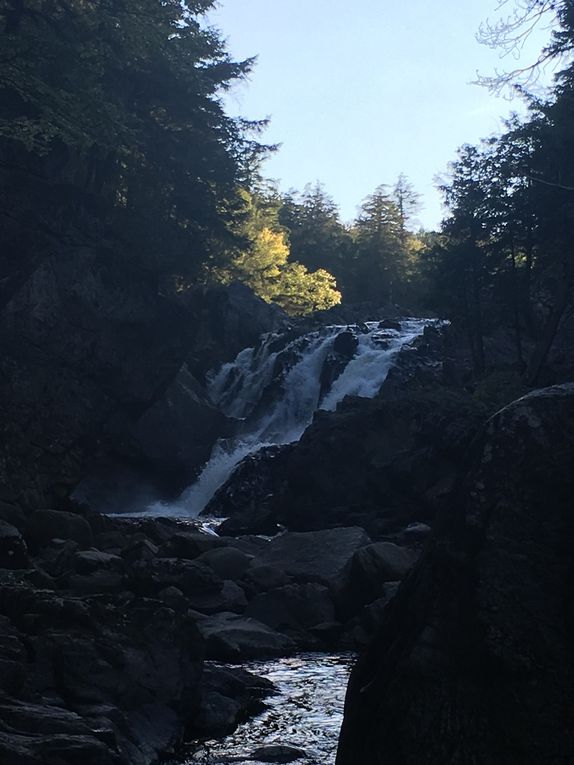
306 713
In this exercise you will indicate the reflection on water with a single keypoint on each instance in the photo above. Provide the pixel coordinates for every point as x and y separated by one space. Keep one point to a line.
306 713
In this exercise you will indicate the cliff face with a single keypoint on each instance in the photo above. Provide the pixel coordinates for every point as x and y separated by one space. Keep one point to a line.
85 349
472 663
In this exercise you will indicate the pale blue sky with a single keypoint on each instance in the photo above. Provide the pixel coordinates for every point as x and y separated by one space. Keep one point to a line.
360 91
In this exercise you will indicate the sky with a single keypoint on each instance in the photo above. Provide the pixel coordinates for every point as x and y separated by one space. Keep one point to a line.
358 92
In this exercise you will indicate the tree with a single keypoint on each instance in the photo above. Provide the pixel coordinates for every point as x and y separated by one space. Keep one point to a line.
263 262
380 247
317 237
407 201
111 120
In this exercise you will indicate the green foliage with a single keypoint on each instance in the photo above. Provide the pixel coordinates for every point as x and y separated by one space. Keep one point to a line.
263 262
505 253
385 250
116 104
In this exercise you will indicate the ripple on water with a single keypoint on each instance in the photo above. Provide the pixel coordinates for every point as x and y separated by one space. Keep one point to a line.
306 713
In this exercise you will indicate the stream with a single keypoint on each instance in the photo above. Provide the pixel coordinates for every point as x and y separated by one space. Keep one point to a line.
306 712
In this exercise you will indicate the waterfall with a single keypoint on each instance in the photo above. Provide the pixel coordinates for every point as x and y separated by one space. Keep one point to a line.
274 390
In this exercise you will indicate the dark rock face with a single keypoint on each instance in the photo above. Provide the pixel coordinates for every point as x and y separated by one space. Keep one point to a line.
85 349
383 464
228 319
380 464
95 679
177 433
162 451
319 556
473 659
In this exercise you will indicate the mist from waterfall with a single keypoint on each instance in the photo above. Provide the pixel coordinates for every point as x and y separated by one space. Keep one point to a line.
274 390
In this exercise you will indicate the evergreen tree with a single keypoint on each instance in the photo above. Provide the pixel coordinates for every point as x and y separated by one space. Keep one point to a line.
380 247
317 237
111 117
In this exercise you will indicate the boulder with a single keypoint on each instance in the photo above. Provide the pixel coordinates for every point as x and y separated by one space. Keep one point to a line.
88 561
13 550
231 598
234 638
191 577
189 544
469 663
278 753
46 525
264 578
319 556
390 324
294 609
368 571
227 562
228 697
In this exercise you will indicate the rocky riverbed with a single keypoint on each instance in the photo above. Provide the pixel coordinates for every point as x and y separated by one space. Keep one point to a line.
106 624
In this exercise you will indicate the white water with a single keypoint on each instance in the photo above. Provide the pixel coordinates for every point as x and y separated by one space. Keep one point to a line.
238 388
306 713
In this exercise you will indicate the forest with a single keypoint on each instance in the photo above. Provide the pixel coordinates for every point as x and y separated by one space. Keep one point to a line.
112 125
250 450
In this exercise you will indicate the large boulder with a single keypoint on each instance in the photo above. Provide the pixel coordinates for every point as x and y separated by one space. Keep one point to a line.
294 608
234 638
319 556
369 570
471 663
46 525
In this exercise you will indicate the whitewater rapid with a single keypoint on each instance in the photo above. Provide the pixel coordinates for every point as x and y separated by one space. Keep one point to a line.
275 389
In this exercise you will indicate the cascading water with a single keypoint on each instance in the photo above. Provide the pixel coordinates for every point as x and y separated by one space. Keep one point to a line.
275 389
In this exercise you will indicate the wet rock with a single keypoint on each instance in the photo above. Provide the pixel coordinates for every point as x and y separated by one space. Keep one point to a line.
234 638
277 753
390 324
13 550
228 697
45 525
245 500
469 663
344 347
319 556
